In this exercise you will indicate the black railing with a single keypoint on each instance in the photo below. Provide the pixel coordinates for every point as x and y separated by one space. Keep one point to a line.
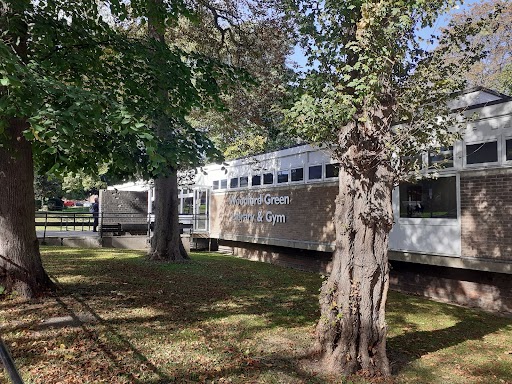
8 364
115 222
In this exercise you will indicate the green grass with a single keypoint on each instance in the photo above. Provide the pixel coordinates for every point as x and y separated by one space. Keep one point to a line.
220 319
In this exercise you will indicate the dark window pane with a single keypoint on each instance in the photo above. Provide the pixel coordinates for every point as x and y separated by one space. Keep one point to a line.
233 183
442 159
315 172
332 170
224 183
509 149
268 178
298 174
244 181
256 180
282 176
216 184
482 153
429 198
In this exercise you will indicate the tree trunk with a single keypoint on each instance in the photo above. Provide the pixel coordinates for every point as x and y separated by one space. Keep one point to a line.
351 333
166 244
21 269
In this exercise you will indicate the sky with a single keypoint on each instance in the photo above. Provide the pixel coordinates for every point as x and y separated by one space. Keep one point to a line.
299 58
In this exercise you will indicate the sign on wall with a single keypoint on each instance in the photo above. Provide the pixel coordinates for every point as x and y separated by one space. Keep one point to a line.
264 214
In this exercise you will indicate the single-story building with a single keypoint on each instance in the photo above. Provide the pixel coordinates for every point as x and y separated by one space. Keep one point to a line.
452 235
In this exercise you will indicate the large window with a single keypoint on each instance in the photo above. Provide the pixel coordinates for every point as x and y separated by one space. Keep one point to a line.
429 198
244 181
233 183
482 153
442 159
223 183
216 184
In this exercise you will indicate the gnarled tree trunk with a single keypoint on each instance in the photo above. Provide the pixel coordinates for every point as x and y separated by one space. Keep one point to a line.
351 333
21 269
166 244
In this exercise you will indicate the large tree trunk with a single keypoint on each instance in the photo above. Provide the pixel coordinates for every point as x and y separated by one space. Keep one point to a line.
351 333
166 244
21 269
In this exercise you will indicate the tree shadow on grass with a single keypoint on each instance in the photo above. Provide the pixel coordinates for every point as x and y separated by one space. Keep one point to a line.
414 343
198 294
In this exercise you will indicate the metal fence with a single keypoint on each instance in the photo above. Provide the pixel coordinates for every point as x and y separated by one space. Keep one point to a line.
113 222
8 364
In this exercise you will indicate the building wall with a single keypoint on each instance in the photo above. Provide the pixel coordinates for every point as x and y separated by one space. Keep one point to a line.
486 208
307 215
125 207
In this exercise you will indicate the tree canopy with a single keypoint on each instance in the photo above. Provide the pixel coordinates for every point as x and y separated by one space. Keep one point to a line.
495 39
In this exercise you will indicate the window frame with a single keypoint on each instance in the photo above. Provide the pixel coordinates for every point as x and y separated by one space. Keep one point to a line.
504 151
273 173
331 177
429 221
486 164
321 178
297 181
288 173
240 179
257 174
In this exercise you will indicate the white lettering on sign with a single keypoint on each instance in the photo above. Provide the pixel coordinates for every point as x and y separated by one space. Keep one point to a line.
261 216
243 217
261 199
271 218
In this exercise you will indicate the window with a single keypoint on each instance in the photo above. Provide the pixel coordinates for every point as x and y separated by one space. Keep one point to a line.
216 184
482 153
282 176
233 183
315 172
223 183
508 149
268 178
256 180
297 174
442 159
187 205
429 198
244 181
332 170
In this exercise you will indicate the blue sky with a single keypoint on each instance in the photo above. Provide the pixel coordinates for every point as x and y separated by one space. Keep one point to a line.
299 58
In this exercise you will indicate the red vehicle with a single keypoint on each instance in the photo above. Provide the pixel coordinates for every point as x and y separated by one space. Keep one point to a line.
69 203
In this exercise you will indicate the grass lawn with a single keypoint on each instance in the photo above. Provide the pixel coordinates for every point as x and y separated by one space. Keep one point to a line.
219 319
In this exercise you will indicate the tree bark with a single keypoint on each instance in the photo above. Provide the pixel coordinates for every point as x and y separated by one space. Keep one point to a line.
21 269
351 333
166 244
